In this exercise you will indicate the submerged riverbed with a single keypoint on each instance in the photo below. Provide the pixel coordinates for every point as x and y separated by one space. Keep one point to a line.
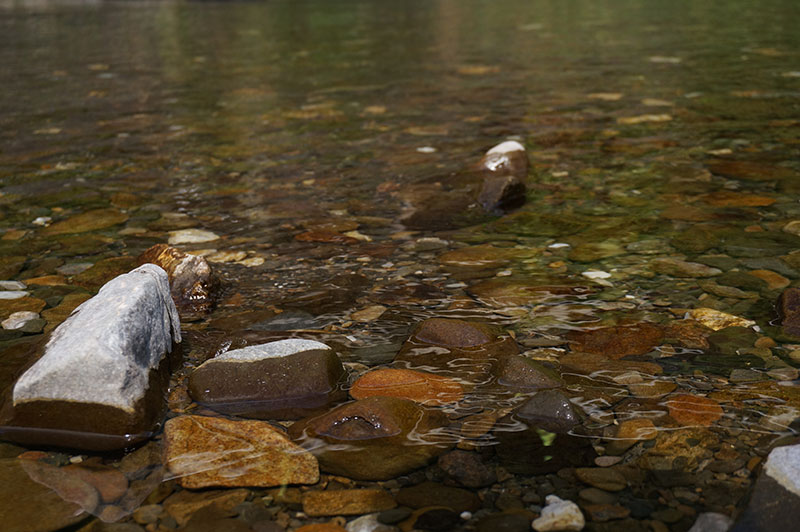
311 152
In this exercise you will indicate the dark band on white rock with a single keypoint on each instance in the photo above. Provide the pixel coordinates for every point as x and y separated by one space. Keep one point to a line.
101 379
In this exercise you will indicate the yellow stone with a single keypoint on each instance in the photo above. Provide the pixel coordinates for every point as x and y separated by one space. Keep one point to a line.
206 451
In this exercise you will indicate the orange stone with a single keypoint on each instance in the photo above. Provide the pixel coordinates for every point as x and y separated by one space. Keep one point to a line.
329 237
694 410
48 280
321 527
424 388
775 281
728 198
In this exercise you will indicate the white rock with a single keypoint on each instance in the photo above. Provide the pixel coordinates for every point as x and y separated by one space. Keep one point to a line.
783 465
191 236
507 146
17 320
12 294
368 523
596 274
281 348
559 515
12 285
104 351
711 522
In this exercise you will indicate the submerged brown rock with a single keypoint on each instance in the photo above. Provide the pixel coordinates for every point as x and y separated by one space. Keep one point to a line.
376 438
789 310
193 285
456 348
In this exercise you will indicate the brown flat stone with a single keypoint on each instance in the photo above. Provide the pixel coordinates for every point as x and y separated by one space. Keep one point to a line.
205 451
617 342
693 410
418 386
347 502
586 363
183 504
603 478
87 221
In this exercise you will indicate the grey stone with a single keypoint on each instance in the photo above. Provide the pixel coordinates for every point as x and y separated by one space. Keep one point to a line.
12 294
369 523
17 320
98 371
285 379
12 285
711 522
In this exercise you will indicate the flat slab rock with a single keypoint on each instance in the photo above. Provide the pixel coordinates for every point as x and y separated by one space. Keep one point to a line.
287 379
100 381
205 451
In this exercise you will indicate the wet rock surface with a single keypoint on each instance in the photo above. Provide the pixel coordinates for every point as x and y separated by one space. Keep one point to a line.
286 379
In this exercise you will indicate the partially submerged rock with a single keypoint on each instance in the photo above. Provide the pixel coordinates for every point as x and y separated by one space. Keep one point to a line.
100 382
505 168
775 503
376 438
192 283
287 379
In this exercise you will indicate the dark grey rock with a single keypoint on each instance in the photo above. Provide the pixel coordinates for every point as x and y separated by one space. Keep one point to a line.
285 379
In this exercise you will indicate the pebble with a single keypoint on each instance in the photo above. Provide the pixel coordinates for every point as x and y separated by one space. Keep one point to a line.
369 523
711 522
559 515
602 478
12 294
18 320
716 320
347 502
191 236
12 285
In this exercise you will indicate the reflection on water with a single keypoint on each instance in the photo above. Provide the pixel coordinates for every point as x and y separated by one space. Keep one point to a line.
662 139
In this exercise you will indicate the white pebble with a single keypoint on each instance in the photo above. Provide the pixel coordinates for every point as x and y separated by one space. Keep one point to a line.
426 149
559 515
12 294
17 320
558 245
12 285
596 274
191 236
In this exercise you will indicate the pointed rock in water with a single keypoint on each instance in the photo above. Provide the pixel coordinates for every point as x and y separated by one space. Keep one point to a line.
287 379
193 285
505 169
101 381
376 438
537 437
205 451
775 503
436 343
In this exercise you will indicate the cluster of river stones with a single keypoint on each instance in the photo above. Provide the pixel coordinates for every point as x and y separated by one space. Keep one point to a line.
284 414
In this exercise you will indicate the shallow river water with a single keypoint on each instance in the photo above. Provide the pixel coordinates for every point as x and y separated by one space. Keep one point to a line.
322 143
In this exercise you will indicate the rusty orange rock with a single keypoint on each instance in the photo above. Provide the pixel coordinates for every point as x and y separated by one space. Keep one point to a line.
424 388
694 410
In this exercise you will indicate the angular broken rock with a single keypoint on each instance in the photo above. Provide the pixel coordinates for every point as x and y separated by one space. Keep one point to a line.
100 383
505 169
192 283
206 451
287 379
